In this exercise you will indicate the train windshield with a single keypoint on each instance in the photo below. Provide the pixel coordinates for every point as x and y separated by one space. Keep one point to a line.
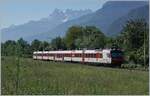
116 54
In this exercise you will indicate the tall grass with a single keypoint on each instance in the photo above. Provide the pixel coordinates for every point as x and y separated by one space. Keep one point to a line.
49 77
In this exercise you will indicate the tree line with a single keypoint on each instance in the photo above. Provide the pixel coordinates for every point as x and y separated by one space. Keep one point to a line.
133 39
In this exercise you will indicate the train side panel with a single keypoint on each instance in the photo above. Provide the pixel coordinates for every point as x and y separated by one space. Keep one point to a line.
67 59
94 56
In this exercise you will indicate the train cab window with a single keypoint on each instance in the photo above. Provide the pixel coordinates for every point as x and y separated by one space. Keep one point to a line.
116 54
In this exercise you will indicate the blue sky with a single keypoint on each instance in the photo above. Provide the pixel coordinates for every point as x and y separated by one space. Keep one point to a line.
21 11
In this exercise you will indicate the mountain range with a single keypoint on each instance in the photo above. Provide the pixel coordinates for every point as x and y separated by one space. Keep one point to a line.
138 13
32 28
110 19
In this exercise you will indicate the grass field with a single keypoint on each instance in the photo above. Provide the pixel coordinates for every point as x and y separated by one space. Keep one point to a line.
48 77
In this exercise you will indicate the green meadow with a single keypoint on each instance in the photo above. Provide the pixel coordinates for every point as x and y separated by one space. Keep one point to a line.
28 76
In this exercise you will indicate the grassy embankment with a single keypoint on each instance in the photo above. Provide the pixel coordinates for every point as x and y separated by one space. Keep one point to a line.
48 77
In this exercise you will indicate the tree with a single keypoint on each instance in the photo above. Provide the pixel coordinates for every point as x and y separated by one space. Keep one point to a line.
16 48
23 48
133 34
73 33
110 42
95 38
90 37
8 48
58 43
35 45
134 39
43 46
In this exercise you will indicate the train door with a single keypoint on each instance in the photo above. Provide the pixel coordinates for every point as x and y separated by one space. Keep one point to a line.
106 56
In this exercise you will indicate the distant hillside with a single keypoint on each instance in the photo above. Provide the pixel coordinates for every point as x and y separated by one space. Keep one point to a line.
45 24
138 13
106 19
102 18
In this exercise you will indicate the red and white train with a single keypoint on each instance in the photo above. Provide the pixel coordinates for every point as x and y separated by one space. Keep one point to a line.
105 56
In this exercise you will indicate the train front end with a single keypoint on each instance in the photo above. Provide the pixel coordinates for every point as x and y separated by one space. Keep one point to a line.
116 57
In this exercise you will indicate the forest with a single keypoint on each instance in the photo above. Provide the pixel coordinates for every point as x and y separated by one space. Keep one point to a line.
133 40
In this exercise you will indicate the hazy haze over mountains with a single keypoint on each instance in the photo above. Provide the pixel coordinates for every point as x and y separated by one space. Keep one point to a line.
43 25
109 19
140 13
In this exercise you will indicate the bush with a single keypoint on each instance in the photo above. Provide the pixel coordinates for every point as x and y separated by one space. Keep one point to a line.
130 65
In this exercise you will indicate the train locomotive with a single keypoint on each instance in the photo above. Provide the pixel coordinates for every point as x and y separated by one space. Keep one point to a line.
104 56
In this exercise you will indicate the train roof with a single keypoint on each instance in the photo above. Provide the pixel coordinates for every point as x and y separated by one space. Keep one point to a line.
73 51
